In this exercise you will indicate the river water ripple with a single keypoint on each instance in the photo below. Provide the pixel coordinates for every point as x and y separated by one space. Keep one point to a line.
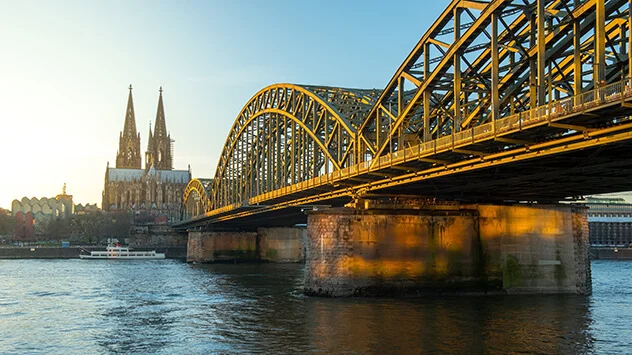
165 307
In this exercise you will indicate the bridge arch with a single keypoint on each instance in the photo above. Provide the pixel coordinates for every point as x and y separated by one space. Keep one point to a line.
196 197
286 134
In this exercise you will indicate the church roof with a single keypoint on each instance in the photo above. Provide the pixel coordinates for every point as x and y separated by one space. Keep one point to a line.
177 176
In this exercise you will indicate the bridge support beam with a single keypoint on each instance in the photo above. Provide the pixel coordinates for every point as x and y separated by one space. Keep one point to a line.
281 245
476 248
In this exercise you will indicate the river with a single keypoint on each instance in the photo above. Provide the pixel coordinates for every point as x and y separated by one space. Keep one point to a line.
164 307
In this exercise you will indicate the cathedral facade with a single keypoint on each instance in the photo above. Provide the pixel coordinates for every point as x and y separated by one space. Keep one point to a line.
155 190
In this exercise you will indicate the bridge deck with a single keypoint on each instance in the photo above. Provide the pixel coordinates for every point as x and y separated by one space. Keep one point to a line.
577 145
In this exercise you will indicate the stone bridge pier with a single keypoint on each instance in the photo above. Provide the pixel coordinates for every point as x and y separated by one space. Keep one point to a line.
281 245
382 249
519 248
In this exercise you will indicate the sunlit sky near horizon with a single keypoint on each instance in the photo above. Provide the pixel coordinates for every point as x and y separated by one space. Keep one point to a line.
66 65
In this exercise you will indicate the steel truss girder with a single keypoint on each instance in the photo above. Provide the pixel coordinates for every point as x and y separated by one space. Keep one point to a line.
572 143
522 73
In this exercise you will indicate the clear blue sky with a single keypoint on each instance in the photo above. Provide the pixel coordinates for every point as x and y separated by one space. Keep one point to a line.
65 67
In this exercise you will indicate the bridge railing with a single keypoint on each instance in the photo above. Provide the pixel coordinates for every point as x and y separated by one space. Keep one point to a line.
519 121
516 122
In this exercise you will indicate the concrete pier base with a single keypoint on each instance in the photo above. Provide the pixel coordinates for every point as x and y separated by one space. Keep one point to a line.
281 245
476 248
222 246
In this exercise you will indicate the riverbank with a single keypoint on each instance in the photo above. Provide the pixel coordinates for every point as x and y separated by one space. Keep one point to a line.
180 252
611 254
29 252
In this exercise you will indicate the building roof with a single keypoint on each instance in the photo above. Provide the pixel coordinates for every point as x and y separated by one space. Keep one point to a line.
81 207
605 200
177 176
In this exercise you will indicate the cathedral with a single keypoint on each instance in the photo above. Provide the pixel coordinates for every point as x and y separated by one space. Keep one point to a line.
155 191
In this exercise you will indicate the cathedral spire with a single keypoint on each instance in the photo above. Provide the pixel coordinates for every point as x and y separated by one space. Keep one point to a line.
150 149
150 140
129 156
129 130
161 144
161 126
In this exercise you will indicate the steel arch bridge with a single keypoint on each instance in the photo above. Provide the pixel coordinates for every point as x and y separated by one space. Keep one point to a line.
499 99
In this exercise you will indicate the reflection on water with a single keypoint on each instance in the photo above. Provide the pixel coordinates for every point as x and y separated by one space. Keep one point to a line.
470 325
76 306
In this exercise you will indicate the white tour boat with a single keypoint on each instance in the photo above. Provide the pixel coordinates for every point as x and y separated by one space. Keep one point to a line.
116 251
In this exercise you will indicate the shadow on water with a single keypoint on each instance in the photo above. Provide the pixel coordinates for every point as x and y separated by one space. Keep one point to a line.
460 325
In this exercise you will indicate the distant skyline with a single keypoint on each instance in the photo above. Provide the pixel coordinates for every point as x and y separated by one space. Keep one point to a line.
66 66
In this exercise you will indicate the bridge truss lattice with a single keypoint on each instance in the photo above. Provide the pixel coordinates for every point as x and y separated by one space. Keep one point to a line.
482 75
